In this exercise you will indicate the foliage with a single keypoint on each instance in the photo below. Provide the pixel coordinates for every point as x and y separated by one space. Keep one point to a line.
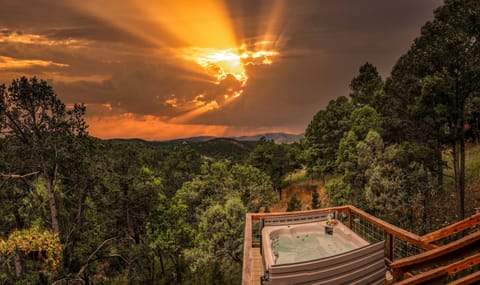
276 160
46 131
45 244
323 135
294 204
338 192
180 165
432 83
315 201
366 86
219 243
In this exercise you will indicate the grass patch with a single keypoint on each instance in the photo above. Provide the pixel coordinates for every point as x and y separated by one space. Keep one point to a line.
472 164
472 167
295 177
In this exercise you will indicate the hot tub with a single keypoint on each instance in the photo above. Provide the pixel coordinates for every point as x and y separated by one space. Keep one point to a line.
305 253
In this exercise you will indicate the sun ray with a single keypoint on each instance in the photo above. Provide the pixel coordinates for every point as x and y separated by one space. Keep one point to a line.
199 32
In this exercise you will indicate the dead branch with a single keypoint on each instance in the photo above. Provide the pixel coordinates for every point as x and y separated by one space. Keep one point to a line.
18 176
92 255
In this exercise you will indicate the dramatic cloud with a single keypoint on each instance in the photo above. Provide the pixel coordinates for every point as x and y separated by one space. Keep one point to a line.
175 68
15 63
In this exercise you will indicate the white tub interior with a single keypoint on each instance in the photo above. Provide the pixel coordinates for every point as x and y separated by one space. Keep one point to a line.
305 242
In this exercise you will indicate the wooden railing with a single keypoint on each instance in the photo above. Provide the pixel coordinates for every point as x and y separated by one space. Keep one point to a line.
446 260
405 252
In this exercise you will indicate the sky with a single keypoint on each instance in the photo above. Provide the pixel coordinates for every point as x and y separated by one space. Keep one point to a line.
164 69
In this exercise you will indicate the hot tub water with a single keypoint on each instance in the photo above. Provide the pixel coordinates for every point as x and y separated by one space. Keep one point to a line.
304 247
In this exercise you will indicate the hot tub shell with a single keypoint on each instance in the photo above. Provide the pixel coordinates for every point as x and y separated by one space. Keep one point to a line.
362 265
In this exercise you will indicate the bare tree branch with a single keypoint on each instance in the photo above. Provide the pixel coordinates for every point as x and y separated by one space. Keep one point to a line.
18 176
92 255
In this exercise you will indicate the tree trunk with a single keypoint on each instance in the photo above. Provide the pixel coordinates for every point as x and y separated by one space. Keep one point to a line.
425 221
459 170
161 265
176 259
51 181
439 169
18 266
462 177
53 205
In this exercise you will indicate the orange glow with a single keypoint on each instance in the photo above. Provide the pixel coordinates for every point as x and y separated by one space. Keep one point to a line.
129 125
38 40
219 63
200 108
14 63
60 77
147 127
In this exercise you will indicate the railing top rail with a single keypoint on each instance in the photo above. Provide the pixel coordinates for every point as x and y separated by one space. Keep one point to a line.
417 260
446 270
258 216
452 229
393 230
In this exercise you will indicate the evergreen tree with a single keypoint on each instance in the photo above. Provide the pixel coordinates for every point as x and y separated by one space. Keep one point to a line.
323 135
366 86
315 199
431 85
294 204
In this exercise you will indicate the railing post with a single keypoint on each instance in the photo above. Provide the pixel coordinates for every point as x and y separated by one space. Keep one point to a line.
349 218
397 274
389 245
247 251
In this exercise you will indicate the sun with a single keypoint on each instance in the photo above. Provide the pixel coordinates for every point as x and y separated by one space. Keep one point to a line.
220 63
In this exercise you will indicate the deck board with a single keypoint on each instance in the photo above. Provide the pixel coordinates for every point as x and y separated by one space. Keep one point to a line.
257 266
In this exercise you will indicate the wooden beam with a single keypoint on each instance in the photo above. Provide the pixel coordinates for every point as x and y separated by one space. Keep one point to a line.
452 229
463 264
469 279
440 273
247 251
454 249
429 277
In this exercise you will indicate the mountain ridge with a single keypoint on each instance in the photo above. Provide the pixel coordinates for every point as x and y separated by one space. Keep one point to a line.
279 137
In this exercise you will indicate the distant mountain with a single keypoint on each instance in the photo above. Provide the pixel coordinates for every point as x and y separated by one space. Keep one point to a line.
224 148
190 139
235 149
276 137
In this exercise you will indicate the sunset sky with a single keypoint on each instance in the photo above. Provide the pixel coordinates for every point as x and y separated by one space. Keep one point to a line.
163 69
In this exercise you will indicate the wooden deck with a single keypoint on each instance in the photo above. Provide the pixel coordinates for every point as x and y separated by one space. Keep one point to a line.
257 266
452 257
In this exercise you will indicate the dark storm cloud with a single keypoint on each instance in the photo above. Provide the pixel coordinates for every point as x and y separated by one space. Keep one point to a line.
326 43
113 70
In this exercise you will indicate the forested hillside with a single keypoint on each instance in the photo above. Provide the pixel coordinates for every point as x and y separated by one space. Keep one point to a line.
80 210
398 145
